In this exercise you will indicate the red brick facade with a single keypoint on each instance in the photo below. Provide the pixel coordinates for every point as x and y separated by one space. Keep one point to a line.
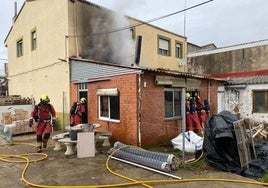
148 118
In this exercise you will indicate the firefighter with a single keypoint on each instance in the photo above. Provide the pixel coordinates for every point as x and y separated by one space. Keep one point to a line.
44 114
78 112
192 120
201 110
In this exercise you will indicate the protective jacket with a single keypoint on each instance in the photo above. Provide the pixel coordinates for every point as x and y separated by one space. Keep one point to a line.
77 116
201 110
43 112
192 120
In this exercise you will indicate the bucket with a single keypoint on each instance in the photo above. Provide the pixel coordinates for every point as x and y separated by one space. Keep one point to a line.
87 127
73 134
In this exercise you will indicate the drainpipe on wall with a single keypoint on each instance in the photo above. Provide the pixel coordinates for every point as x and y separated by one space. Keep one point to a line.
209 93
139 108
63 111
183 125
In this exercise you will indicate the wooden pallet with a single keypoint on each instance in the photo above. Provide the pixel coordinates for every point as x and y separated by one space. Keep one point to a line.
245 141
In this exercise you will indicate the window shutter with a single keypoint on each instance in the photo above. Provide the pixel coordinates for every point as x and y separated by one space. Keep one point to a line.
108 92
163 44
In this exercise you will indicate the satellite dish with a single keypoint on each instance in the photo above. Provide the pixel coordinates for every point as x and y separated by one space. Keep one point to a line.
182 62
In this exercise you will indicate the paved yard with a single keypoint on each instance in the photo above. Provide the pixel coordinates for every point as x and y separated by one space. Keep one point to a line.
58 170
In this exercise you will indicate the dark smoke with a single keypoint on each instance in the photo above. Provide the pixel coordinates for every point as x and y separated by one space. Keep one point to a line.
108 46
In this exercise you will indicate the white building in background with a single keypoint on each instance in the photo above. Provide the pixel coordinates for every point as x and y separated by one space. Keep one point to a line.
246 96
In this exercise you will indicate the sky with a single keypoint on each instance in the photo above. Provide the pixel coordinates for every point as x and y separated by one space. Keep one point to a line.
222 22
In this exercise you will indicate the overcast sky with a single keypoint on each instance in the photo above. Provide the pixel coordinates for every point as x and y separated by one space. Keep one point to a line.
222 22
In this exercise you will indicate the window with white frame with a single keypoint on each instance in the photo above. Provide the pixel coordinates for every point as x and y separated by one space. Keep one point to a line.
260 101
109 104
20 47
173 102
82 90
163 46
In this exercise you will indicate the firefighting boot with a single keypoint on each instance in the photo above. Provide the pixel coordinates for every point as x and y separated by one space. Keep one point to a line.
44 145
38 149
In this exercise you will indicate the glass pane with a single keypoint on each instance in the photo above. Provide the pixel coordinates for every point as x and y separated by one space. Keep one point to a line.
104 106
34 34
168 104
178 50
19 48
177 103
114 107
260 102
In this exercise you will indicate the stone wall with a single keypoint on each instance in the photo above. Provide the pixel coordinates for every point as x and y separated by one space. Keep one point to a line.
245 59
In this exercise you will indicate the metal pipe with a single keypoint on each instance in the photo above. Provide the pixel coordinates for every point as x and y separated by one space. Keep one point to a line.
63 110
147 168
139 109
183 111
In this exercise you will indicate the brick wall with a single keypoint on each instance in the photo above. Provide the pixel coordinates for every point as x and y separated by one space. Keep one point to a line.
153 126
126 130
209 90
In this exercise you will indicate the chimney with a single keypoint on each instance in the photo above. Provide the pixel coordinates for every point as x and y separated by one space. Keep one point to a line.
138 49
15 12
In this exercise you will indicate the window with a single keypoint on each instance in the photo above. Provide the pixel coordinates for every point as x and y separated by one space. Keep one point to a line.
82 93
19 47
82 87
82 90
133 32
179 50
33 40
260 101
109 104
173 102
164 46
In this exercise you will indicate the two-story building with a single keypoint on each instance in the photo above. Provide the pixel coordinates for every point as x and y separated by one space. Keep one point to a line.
133 74
45 34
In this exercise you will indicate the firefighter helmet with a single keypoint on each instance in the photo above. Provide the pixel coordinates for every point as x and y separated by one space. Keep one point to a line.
44 98
187 95
83 100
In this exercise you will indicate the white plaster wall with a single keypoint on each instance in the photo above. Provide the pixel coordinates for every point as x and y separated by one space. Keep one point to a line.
240 100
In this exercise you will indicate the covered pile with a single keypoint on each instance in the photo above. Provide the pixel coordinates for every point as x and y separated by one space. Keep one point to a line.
221 151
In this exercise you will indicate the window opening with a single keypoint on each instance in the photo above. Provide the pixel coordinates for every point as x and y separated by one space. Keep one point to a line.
173 101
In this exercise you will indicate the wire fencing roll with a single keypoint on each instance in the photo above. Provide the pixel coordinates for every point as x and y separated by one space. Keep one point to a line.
161 161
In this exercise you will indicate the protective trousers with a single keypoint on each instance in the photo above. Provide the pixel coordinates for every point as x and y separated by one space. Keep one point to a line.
43 131
193 123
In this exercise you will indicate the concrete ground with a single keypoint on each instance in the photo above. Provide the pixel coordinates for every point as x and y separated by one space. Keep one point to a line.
58 170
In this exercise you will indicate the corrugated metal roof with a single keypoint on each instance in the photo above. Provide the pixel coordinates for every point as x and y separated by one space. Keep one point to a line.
228 48
83 70
263 79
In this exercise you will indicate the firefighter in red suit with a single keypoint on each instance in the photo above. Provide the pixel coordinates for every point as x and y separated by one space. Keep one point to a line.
200 107
78 113
192 120
43 113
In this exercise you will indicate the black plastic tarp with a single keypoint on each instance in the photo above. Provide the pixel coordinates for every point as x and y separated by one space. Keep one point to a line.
220 147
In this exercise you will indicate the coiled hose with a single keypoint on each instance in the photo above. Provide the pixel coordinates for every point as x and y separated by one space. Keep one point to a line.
25 158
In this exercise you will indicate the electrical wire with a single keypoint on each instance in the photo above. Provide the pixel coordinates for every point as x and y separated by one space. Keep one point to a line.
24 158
139 24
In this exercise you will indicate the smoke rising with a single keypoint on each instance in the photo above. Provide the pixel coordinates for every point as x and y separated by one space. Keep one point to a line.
110 43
